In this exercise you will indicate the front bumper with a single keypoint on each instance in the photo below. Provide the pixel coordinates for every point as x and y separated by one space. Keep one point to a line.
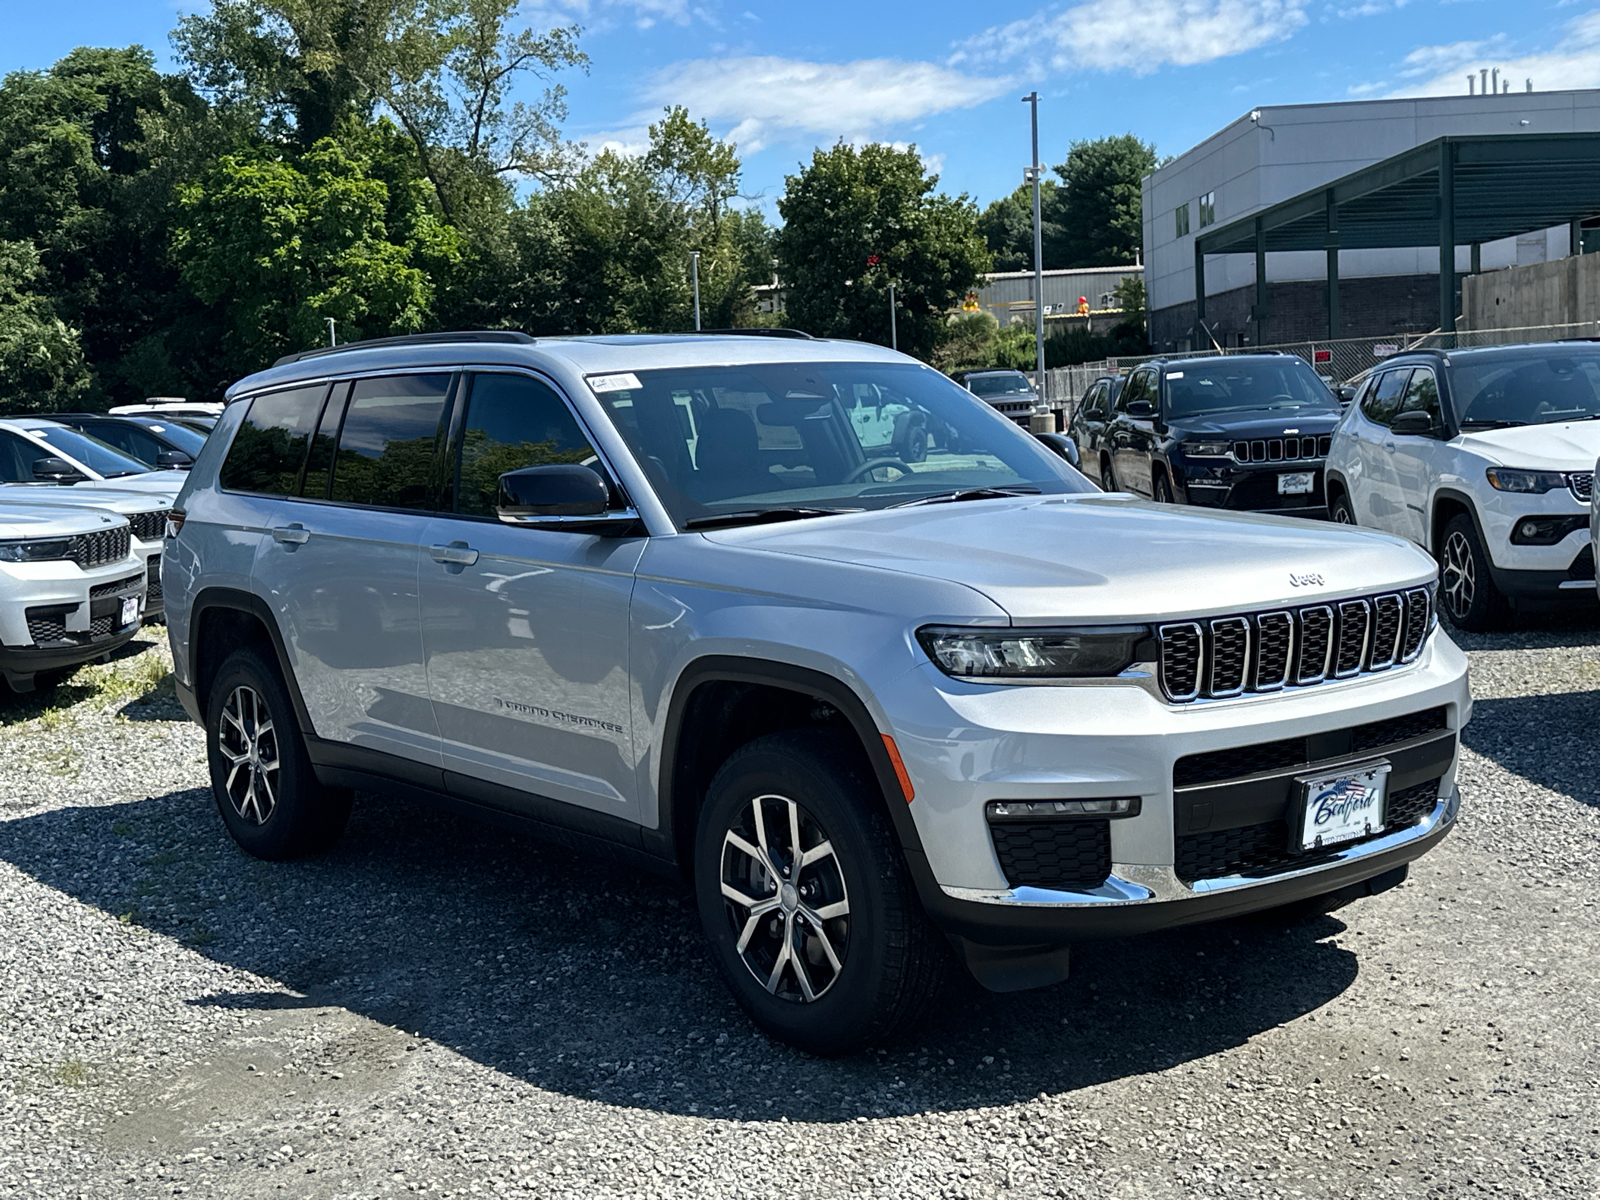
1224 483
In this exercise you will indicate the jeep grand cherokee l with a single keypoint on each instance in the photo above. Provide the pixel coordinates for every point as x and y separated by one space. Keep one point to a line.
884 716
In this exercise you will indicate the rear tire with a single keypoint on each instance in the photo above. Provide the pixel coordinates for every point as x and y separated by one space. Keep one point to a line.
261 777
1467 592
1108 478
824 945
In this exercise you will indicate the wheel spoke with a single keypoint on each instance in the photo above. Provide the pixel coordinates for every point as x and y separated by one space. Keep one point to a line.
827 948
761 830
744 847
802 972
233 774
785 953
830 912
817 853
732 893
794 834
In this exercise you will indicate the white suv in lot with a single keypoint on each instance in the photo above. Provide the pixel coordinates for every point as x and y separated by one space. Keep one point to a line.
884 716
71 588
1486 458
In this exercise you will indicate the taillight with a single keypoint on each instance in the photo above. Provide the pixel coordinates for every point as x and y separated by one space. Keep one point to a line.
174 522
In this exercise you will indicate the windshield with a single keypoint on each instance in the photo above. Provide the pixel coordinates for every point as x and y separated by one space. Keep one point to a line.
1008 383
106 461
188 440
1533 389
850 436
1226 385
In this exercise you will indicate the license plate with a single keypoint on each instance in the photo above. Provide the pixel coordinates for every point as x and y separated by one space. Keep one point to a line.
1340 808
1297 483
130 609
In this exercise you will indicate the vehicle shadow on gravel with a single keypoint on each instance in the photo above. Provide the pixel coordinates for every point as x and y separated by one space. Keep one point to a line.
1547 739
588 978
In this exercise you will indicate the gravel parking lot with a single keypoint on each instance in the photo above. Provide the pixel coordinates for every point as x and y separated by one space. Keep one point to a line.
439 1008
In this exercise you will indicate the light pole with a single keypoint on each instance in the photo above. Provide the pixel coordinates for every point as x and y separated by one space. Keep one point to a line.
333 336
1033 174
694 269
894 336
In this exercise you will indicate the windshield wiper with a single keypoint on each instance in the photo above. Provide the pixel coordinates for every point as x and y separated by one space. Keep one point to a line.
977 493
1476 423
762 516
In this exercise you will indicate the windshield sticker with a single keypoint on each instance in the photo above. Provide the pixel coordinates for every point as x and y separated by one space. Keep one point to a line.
627 381
1174 374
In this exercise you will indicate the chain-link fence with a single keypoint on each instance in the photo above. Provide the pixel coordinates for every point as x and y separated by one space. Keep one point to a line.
1338 360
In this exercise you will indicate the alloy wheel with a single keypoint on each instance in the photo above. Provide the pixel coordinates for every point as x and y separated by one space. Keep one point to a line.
1341 515
248 739
784 895
1460 575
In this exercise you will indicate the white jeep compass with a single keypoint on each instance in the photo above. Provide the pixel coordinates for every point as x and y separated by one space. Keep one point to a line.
679 599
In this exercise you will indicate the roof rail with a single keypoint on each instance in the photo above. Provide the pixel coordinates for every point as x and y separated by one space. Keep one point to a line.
502 336
762 331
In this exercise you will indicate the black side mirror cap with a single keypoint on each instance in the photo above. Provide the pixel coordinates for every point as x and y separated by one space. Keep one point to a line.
562 490
1140 408
51 469
174 460
1414 424
1063 445
1345 393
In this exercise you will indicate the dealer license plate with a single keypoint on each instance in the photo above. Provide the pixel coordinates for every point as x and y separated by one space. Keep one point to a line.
1341 808
130 609
1296 483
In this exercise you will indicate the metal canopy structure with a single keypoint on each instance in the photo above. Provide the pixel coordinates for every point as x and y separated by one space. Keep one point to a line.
1452 191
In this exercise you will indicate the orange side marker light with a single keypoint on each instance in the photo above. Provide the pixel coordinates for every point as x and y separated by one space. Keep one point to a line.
899 768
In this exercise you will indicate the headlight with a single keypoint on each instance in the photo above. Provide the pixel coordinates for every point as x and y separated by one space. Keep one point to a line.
1093 651
1206 449
1505 479
56 548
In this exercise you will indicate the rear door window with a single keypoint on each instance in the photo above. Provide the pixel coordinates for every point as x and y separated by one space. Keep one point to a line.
390 442
269 449
512 422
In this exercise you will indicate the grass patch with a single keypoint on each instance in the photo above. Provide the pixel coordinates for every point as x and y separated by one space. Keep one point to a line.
199 935
73 1073
132 917
122 829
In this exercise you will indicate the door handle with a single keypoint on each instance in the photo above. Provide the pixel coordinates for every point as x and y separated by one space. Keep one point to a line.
456 554
291 535
1389 446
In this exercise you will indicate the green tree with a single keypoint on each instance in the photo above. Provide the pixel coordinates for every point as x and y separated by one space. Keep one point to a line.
284 243
41 362
857 221
1101 202
1007 228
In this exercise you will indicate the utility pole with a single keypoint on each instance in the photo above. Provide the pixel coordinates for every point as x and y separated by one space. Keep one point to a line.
1034 174
694 268
894 336
333 336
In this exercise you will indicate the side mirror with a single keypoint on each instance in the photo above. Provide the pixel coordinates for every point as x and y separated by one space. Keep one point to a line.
173 460
1413 424
566 490
1140 408
1063 445
1345 393
56 470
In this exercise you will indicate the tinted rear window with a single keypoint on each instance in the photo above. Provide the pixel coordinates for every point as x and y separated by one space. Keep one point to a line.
389 442
270 447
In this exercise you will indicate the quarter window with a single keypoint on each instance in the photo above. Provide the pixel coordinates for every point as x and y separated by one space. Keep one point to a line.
512 422
389 442
270 447
1422 394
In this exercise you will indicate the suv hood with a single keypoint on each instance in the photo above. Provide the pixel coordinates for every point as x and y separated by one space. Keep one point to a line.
115 499
24 519
1256 423
1563 446
1099 557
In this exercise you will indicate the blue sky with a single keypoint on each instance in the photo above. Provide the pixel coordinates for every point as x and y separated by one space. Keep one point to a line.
781 79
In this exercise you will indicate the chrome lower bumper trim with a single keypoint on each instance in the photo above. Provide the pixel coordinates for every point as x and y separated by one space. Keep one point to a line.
1136 884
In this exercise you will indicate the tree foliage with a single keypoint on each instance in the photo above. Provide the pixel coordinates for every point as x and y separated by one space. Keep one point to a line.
857 221
41 362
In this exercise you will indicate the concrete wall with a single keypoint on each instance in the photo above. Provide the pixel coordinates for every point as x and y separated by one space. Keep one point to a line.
1563 292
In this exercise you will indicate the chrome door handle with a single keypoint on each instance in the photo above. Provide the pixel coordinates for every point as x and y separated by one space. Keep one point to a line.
456 554
291 535
1389 446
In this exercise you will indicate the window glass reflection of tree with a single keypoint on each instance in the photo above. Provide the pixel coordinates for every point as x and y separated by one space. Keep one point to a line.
513 422
386 447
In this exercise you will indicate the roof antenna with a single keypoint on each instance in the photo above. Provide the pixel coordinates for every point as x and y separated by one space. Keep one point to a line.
333 335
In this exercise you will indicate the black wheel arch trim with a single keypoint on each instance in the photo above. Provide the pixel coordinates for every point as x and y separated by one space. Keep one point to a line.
239 600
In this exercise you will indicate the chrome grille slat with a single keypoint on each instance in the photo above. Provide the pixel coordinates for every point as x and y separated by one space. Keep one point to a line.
1228 656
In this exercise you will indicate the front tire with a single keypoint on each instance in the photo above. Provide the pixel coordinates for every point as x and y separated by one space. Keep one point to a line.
1108 479
1466 586
1163 490
813 920
1342 511
261 777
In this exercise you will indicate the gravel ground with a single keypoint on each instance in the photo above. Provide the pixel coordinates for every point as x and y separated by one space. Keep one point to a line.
437 1008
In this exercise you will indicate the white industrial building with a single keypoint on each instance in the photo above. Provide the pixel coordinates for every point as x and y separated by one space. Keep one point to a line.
1273 154
1009 294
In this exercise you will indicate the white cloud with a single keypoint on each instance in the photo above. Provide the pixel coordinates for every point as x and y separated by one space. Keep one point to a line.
1135 35
767 97
1442 70
1371 8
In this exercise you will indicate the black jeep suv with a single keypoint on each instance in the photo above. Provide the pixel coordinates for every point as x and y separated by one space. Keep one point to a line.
1240 431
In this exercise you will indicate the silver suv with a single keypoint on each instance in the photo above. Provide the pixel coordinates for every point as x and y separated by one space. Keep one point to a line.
678 598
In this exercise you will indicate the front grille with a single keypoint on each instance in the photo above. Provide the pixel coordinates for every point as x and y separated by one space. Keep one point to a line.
1264 849
103 626
1065 854
1284 449
1227 655
1214 766
1582 484
149 526
1582 567
100 547
111 589
47 625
